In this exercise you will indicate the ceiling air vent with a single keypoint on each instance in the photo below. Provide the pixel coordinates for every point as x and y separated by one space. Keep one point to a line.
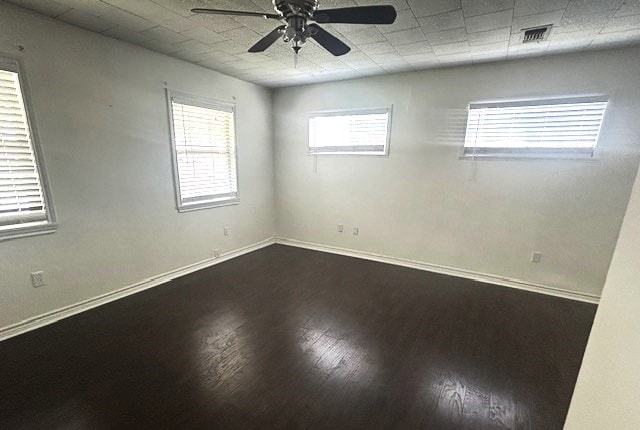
536 34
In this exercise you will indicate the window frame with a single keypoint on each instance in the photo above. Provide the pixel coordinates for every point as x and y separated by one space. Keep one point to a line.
352 111
575 154
50 224
186 98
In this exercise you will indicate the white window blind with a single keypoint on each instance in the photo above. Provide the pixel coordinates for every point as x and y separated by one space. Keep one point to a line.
204 152
355 132
22 198
565 126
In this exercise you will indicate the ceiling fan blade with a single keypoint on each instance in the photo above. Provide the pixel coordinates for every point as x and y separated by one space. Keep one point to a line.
327 40
268 40
236 13
357 15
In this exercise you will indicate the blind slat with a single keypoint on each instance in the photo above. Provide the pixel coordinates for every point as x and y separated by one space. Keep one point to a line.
494 129
21 195
353 133
204 141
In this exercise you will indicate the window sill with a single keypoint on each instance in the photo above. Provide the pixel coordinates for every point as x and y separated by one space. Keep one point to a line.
208 205
27 231
530 157
358 154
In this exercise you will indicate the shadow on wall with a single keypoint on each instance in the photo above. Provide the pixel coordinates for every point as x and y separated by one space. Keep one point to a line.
455 128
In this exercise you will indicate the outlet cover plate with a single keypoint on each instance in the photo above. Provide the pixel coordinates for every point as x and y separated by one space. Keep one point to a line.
37 279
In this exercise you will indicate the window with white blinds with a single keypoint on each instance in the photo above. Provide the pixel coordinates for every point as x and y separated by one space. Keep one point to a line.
23 200
540 127
204 150
364 132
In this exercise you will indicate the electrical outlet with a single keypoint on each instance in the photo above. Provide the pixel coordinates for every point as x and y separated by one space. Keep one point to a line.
536 257
340 228
216 253
226 231
37 279
355 231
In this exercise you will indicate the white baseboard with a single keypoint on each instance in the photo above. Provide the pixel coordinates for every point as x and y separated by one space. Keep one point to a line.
476 276
67 311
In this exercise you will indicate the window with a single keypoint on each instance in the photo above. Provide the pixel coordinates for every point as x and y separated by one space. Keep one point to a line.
540 127
25 207
204 152
364 132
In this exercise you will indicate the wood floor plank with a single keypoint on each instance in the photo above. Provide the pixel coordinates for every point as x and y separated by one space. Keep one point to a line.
285 338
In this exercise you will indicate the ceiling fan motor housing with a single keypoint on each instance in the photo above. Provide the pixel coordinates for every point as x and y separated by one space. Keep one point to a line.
301 8
296 13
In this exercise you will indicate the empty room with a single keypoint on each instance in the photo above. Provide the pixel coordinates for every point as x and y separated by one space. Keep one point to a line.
320 214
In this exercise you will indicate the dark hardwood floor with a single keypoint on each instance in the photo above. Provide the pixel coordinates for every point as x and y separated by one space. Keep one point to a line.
286 338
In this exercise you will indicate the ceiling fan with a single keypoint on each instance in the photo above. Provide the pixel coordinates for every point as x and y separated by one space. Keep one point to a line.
296 13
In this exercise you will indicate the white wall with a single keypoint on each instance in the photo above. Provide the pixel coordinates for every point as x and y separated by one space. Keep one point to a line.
607 393
101 113
423 203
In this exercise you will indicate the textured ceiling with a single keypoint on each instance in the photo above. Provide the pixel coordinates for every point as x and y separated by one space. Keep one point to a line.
427 33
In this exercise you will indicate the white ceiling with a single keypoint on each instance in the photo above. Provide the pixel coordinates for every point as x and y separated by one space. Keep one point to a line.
426 34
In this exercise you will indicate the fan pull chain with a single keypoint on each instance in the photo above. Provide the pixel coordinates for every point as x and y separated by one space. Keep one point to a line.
295 60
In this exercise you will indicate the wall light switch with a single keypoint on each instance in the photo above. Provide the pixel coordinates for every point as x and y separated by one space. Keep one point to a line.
536 257
226 231
340 228
355 231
